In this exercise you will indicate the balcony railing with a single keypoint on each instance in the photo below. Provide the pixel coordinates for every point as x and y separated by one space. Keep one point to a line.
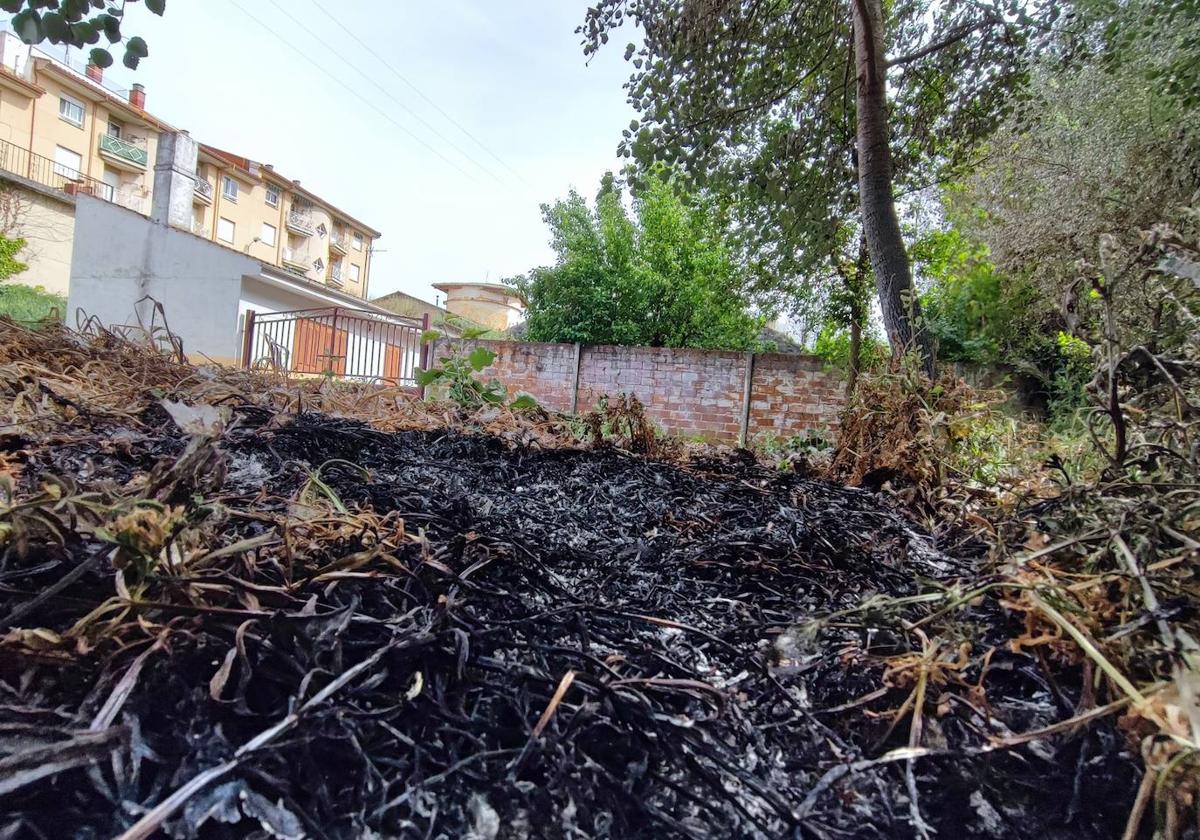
339 243
334 277
130 151
204 190
49 173
299 222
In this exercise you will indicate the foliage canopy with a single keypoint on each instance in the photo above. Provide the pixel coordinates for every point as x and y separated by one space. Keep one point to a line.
663 275
80 23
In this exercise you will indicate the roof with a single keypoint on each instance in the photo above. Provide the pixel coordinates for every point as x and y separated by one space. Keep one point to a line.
404 297
7 75
304 285
264 171
98 91
491 287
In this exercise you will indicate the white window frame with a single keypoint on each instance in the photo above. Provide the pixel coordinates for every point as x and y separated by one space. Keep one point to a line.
65 170
273 234
356 239
273 195
226 181
114 124
65 103
353 274
232 229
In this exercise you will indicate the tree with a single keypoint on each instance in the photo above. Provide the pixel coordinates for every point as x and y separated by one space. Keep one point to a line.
663 277
1105 146
79 23
783 106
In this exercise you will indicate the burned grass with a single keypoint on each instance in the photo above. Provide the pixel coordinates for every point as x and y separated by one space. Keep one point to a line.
237 618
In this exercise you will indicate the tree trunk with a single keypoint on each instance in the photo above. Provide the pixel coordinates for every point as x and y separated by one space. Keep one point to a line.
855 352
881 225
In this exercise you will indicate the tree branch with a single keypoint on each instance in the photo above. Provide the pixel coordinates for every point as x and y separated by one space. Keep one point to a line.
951 39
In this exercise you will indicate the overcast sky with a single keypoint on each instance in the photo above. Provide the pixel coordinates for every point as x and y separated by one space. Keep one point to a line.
512 74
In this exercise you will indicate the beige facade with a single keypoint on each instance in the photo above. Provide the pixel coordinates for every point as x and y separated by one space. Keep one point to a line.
492 305
248 206
64 131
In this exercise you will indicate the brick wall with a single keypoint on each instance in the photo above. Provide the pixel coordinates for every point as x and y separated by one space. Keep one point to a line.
547 371
694 393
793 394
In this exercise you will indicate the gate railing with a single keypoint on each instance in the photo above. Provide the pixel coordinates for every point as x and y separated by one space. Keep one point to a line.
335 341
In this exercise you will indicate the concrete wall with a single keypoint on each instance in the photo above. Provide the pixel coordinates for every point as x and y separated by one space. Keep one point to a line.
121 257
695 393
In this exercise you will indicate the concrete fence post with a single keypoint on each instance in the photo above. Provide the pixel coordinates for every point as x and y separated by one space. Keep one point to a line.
575 380
747 383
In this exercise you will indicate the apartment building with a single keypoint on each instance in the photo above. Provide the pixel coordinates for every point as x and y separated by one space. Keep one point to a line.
249 206
65 130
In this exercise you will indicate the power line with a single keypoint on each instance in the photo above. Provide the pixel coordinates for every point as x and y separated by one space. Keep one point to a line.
319 39
416 89
352 91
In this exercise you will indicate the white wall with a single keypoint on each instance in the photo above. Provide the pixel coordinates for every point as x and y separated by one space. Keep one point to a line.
120 257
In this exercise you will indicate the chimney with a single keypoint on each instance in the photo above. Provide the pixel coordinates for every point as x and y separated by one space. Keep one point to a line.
174 180
95 72
137 96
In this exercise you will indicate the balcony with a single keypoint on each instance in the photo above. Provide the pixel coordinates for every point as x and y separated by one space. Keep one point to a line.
334 277
338 243
129 154
203 191
300 223
199 229
296 260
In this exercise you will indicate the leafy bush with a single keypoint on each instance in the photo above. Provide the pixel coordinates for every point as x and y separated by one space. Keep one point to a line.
833 346
30 304
457 374
664 276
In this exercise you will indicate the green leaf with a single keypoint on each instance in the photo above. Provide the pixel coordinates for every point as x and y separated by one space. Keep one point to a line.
111 26
28 26
137 46
12 6
156 6
425 378
58 31
524 402
480 358
100 57
430 335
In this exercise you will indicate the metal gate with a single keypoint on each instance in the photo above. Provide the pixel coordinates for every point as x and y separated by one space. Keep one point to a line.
335 341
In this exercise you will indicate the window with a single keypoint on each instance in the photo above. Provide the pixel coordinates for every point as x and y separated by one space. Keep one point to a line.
112 182
114 129
71 110
357 241
319 264
322 230
229 188
272 196
225 230
67 163
353 273
268 234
